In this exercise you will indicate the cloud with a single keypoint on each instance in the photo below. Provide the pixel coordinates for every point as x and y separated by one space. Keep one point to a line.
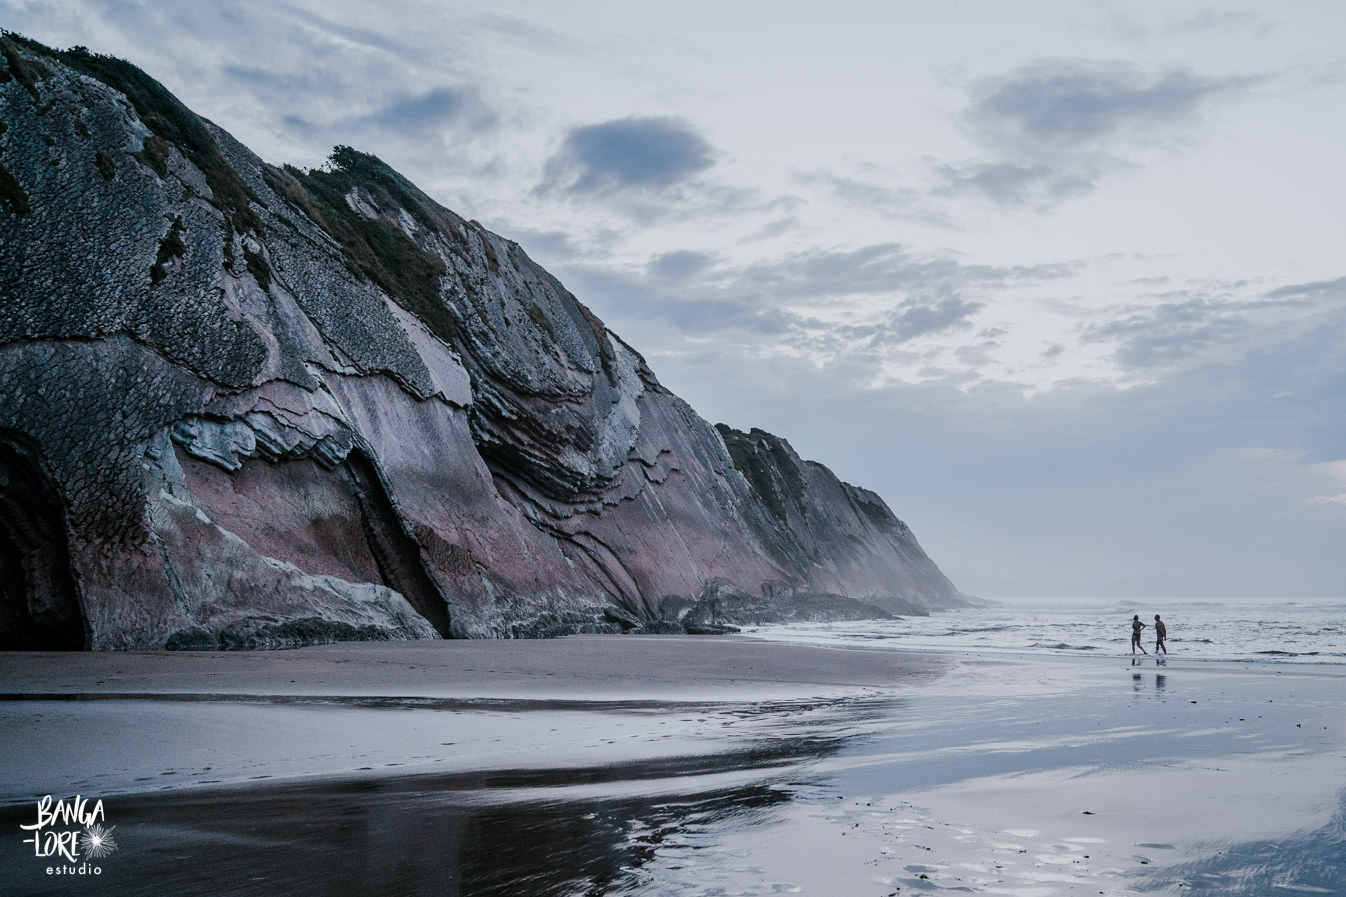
1071 103
714 317
1119 24
637 154
1048 132
1173 332
1016 184
333 31
1323 288
1055 128
1208 20
432 109
680 265
772 229
1232 317
542 245
650 170
522 30
881 312
882 269
291 78
350 108
905 203
920 319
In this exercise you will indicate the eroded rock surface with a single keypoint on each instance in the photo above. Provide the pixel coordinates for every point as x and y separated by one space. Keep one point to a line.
251 406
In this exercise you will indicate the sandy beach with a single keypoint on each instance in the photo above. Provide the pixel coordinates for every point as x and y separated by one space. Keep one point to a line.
671 765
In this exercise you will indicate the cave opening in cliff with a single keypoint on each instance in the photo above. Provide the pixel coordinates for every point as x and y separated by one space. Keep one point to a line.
39 603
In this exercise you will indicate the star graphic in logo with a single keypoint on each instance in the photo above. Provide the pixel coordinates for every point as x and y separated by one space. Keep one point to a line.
97 841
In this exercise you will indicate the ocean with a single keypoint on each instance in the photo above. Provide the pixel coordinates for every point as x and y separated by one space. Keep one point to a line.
1306 631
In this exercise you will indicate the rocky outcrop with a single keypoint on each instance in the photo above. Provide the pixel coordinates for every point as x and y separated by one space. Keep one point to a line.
244 405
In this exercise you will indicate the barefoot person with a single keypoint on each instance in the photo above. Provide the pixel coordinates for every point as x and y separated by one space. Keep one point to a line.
1160 634
1136 627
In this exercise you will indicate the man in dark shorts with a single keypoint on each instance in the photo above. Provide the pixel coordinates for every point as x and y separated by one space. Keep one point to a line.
1136 627
1160 634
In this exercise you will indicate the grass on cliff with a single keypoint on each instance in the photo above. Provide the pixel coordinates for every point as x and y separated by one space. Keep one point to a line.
768 467
378 249
878 515
162 113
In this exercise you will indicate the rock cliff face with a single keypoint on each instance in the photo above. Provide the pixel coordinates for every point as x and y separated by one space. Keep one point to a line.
251 406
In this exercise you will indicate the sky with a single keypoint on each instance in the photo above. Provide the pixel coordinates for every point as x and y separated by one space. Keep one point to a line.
1062 281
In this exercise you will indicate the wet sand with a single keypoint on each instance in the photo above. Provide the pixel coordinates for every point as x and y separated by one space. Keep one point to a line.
675 765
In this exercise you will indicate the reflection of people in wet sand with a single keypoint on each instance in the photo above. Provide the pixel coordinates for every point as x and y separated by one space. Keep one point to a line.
1160 633
1136 627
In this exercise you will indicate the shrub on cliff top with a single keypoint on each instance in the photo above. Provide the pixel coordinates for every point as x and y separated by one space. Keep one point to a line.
379 249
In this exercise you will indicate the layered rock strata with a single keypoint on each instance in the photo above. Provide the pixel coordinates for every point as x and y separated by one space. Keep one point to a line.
244 405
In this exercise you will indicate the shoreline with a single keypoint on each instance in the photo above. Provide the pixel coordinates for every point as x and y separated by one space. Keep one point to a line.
642 665
171 720
687 763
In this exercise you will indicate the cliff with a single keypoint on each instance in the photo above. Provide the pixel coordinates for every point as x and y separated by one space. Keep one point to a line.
244 405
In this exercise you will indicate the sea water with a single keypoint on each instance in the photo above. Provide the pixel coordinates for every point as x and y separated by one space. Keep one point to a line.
1275 631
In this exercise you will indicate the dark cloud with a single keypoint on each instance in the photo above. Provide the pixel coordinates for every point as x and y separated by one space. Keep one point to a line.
270 84
908 321
680 265
297 124
884 267
918 319
1071 103
628 154
433 109
653 171
1320 288
1190 330
338 101
1055 128
1172 333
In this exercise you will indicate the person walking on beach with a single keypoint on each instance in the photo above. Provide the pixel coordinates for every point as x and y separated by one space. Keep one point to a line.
1160 634
1136 627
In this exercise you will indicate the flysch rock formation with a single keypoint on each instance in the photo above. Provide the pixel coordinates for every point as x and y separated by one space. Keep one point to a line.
244 405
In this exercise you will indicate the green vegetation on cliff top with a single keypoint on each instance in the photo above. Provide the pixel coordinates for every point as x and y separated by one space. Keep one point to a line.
377 248
768 467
